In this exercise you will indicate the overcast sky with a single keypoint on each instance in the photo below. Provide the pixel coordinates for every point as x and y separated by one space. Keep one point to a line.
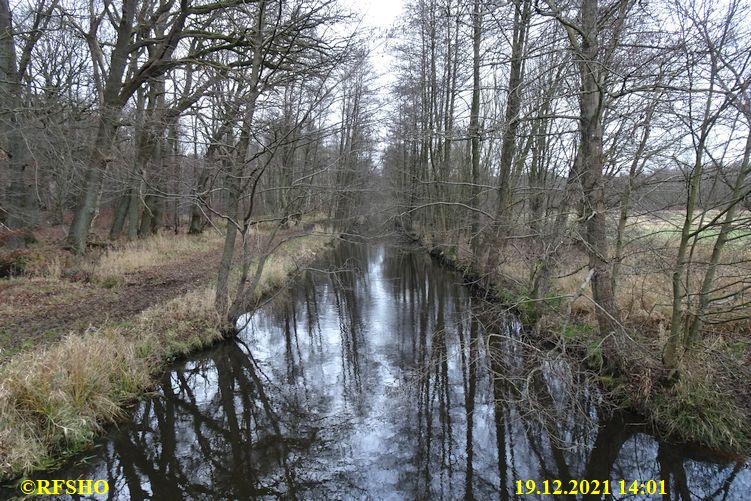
379 13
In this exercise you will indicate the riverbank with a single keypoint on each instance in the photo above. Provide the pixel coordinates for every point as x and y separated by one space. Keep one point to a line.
710 404
101 333
376 363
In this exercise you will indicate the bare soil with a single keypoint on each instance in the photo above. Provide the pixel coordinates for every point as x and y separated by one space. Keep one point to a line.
41 311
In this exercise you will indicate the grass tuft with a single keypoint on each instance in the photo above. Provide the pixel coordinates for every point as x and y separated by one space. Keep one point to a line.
54 401
696 410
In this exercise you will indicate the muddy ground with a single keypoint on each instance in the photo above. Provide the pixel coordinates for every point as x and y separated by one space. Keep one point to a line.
41 311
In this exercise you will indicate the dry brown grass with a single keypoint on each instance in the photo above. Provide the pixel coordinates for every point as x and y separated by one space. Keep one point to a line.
37 261
711 403
54 401
286 259
154 251
644 289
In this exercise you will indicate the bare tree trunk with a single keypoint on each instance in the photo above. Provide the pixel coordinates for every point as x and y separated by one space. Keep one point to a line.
21 207
197 219
474 127
133 206
593 64
236 174
87 203
107 125
152 217
522 14
451 84
675 345
591 131
176 169
633 171
121 213
115 94
719 245
550 246
221 300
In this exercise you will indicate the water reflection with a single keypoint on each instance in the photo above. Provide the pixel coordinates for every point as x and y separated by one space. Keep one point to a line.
382 379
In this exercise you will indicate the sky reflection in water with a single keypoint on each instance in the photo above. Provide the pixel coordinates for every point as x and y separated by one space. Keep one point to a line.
374 383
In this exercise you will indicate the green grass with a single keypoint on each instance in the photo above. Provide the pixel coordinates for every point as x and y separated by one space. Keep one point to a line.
579 331
695 410
668 228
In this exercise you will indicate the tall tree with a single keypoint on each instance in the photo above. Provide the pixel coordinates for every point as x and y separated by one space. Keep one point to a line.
159 31
593 53
21 208
474 125
522 18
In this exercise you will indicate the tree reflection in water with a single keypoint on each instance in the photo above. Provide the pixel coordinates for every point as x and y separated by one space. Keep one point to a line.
382 380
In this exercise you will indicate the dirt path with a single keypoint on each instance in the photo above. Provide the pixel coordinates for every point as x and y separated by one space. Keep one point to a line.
43 311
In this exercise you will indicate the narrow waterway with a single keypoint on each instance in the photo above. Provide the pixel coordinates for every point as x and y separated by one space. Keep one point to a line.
378 376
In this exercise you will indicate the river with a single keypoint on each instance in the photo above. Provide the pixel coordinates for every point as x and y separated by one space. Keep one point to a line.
379 376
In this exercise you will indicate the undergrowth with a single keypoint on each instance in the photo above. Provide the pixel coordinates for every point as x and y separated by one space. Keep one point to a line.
695 409
153 251
702 406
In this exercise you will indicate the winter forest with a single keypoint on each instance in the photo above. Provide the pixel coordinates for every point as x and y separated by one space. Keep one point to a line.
583 164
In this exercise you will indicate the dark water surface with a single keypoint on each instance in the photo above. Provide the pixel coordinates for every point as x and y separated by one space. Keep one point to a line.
374 382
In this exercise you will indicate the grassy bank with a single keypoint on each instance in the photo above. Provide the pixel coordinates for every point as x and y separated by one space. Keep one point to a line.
58 293
711 402
56 397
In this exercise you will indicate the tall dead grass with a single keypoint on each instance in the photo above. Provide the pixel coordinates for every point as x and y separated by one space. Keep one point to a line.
54 401
154 251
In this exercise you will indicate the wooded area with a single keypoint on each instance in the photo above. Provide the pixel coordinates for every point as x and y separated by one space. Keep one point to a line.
588 159
177 114
564 146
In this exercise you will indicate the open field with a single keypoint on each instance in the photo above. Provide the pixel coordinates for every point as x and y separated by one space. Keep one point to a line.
668 224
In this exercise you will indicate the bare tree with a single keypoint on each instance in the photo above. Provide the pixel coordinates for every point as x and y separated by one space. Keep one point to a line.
21 210
594 53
